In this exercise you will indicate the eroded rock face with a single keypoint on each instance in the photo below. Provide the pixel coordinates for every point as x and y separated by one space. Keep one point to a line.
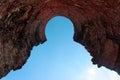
96 26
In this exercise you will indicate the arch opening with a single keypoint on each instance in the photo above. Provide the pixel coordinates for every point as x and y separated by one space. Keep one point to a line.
63 23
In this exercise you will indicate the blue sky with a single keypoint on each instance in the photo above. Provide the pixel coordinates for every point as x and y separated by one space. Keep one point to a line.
60 58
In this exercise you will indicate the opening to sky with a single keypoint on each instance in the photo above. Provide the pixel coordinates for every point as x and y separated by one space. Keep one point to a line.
60 58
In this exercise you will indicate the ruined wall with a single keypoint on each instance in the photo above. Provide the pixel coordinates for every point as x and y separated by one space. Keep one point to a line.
22 26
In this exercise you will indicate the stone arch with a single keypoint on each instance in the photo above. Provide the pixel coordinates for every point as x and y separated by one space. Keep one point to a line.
22 24
42 36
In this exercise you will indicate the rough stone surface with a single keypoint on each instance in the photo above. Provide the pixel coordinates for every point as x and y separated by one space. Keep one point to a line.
96 26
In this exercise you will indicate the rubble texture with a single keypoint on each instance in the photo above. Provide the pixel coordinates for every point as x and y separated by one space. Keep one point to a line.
96 26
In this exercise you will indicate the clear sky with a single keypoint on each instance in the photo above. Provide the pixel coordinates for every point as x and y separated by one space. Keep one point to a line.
60 58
